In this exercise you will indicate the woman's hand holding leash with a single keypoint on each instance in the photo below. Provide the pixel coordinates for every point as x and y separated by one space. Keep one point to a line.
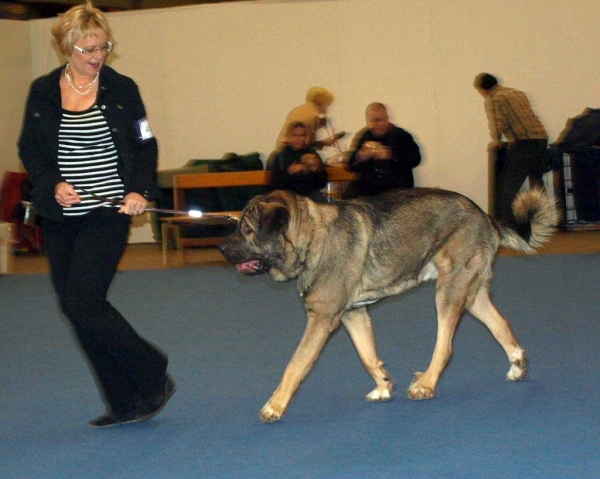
133 204
65 194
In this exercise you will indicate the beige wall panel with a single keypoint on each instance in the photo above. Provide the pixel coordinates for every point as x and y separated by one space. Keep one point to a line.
15 77
220 78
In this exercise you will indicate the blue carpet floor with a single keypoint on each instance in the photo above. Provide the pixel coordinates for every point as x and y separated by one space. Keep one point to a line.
229 338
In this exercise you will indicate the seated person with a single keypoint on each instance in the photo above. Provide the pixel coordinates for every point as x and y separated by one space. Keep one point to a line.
383 154
299 168
312 115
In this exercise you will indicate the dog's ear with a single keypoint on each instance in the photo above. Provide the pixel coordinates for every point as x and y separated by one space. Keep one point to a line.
274 219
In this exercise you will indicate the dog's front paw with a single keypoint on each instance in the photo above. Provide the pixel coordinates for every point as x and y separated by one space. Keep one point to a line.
417 391
380 394
268 414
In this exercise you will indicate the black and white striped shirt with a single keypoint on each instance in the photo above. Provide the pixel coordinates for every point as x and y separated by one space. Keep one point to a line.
87 159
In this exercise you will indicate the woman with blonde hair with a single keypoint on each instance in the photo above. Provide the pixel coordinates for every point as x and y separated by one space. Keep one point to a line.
87 145
312 115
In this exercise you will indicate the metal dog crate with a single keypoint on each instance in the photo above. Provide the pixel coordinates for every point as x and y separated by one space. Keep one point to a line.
580 185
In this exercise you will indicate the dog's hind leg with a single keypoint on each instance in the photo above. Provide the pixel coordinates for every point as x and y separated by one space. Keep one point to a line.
315 336
358 324
483 309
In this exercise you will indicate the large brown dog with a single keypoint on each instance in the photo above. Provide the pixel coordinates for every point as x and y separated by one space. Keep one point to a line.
349 254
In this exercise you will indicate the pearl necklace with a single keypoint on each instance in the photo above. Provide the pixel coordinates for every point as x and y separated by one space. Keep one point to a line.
89 86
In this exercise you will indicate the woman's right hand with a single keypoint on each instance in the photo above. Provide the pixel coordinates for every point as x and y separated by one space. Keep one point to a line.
295 168
65 194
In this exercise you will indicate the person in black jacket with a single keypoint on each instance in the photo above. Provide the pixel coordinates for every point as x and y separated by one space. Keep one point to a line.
86 135
383 154
298 167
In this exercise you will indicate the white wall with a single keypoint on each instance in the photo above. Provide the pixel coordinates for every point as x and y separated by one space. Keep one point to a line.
15 77
220 78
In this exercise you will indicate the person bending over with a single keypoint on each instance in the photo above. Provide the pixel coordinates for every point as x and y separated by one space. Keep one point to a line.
312 115
510 115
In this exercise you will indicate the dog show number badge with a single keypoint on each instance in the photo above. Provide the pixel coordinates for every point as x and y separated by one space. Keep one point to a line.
143 129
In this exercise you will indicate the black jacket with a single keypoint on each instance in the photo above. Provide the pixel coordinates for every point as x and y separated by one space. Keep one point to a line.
120 101
302 183
405 156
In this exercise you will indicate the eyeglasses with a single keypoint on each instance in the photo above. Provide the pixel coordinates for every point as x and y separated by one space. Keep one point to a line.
104 49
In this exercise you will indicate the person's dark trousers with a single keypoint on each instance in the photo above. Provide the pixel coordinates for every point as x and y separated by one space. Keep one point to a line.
84 253
525 158
373 182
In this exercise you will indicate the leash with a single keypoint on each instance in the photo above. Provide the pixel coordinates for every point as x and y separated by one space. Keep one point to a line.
191 213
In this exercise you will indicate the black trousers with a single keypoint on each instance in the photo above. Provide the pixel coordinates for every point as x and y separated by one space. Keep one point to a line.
373 182
525 158
84 253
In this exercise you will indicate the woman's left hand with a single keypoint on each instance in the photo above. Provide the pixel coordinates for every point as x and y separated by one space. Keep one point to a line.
133 204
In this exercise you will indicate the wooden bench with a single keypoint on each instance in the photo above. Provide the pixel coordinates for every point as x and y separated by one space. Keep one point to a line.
339 177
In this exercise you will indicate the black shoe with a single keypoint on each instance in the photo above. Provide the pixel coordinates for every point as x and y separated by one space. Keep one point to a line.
151 406
146 409
114 418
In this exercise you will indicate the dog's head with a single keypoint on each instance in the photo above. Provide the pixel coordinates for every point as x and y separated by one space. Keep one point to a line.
266 239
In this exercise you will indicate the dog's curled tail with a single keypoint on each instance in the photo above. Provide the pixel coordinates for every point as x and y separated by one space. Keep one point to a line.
535 220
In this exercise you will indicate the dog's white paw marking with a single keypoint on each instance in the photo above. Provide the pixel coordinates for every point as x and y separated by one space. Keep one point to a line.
268 414
518 365
416 392
380 394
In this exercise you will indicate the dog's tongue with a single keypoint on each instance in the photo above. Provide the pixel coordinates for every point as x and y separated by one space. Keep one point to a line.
249 267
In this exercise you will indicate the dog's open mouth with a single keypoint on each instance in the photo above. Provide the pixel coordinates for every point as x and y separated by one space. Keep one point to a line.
254 266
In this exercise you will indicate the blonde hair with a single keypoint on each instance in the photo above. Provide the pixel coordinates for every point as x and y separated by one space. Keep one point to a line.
79 21
319 96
